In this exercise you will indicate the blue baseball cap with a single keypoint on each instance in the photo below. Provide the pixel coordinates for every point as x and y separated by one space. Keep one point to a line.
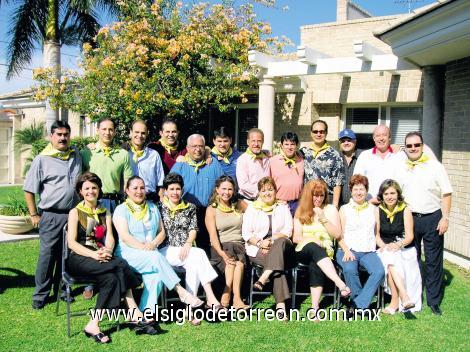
347 133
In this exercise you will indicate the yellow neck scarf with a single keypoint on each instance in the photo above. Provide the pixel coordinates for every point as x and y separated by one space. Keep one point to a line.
411 164
174 208
258 204
169 148
254 156
291 162
138 211
391 214
94 213
52 152
318 150
137 154
106 150
225 157
196 165
359 207
225 209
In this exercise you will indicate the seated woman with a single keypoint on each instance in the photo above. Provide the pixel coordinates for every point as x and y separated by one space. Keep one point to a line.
141 231
396 249
91 242
180 223
357 244
266 229
316 224
224 224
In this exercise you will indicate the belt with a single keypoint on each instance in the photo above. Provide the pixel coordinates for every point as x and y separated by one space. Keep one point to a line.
55 210
112 196
420 215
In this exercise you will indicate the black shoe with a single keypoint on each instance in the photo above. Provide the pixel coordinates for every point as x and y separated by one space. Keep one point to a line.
38 304
64 298
147 328
435 309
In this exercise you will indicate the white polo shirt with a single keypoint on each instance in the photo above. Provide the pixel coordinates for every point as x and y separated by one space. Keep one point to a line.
376 169
423 185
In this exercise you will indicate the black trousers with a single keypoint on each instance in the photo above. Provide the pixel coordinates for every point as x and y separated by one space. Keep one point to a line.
310 255
425 231
113 278
202 238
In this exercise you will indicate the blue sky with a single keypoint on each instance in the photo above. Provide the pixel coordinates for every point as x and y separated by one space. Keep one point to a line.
299 13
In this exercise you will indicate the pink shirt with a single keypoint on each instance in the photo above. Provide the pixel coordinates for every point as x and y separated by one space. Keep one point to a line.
249 172
289 180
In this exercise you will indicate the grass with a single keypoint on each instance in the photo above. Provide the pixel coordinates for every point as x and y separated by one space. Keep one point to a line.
22 328
15 192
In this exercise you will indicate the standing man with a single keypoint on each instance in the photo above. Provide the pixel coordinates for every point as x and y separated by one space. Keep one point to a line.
287 170
349 153
52 176
427 190
111 163
377 163
199 181
145 162
224 153
323 162
252 165
168 146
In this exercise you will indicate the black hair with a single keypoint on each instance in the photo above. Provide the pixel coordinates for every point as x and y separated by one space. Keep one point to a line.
222 132
168 120
414 133
290 136
386 185
319 121
59 124
172 178
135 177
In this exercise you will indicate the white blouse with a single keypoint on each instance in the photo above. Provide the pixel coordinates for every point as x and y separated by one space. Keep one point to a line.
359 228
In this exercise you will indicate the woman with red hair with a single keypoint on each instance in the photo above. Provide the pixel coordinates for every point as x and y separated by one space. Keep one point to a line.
316 226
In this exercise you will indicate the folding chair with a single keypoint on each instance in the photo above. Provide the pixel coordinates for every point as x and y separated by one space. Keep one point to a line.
256 270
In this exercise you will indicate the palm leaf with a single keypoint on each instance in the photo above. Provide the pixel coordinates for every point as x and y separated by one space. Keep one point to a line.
28 136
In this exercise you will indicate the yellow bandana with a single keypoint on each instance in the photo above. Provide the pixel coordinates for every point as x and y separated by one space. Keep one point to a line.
258 204
421 160
391 214
174 208
52 152
93 213
359 207
225 209
137 154
197 165
254 156
291 162
138 211
106 150
317 151
225 157
169 148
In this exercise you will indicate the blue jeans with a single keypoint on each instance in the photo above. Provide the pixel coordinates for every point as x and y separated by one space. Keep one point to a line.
362 295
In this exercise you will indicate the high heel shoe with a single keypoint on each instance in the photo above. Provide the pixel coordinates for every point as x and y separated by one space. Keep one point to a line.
147 328
192 300
97 337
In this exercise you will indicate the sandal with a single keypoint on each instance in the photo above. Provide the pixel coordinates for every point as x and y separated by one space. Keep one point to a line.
192 300
258 286
216 307
225 302
147 328
98 337
242 306
389 311
345 291
281 315
408 305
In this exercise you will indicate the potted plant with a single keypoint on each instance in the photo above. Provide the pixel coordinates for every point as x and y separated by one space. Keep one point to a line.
14 217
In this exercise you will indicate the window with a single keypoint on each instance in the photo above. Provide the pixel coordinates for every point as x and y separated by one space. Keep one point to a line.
404 120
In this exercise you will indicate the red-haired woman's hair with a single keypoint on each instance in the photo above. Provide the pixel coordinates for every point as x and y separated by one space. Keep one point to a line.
304 211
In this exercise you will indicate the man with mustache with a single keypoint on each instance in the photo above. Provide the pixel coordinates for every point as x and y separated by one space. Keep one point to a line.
52 176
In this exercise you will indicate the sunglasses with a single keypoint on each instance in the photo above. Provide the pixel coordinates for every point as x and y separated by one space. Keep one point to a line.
415 145
318 131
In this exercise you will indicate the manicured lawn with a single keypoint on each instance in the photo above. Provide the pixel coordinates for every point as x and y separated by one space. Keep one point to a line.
11 191
22 328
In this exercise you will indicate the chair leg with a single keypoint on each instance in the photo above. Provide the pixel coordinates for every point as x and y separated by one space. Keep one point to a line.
67 289
58 300
294 286
250 300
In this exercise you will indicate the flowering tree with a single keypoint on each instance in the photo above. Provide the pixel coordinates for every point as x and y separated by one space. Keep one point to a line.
158 62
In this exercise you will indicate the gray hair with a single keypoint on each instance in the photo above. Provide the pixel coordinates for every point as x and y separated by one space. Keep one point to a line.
193 136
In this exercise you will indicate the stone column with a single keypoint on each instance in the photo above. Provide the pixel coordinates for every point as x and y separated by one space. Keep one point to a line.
266 111
433 107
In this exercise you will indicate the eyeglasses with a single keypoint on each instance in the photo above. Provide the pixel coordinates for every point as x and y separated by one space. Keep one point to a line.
318 131
415 145
319 195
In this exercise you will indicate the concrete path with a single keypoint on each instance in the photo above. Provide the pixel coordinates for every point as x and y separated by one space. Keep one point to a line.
15 238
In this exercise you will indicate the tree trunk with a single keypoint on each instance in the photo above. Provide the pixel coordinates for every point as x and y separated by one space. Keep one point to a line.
51 59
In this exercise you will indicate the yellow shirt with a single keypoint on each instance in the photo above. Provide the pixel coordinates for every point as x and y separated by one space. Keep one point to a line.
316 232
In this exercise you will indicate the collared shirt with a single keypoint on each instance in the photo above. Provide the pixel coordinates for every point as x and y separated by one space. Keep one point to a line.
348 172
198 186
168 160
328 166
423 185
376 169
54 180
149 167
229 169
289 179
249 172
112 170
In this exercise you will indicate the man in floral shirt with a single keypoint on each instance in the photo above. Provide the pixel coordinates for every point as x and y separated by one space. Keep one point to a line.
323 162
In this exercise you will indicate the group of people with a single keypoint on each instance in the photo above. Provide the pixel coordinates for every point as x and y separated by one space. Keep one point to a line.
208 212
